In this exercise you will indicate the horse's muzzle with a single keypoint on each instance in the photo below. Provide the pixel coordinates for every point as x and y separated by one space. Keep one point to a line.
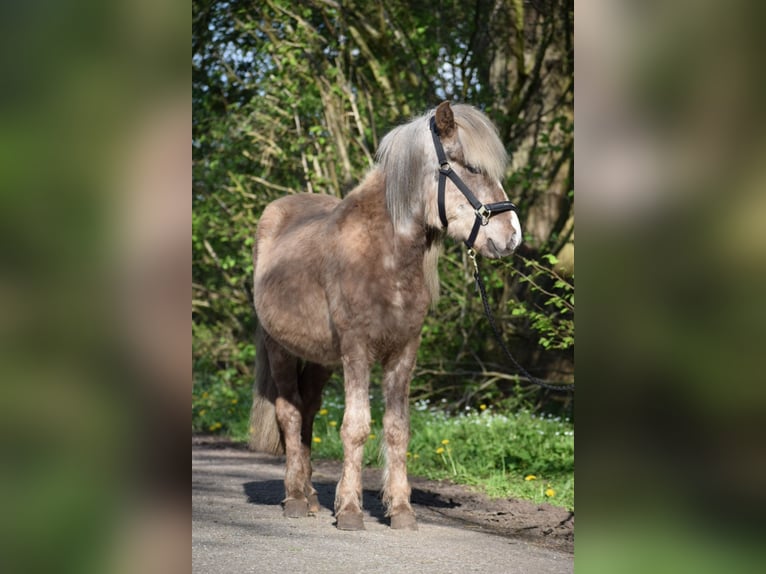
496 251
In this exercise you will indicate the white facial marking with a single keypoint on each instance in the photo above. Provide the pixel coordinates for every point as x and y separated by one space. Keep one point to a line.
517 228
515 223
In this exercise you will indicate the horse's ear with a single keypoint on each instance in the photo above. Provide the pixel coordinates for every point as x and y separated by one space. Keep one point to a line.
445 121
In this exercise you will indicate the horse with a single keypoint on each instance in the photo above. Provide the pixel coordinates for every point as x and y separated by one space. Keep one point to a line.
348 282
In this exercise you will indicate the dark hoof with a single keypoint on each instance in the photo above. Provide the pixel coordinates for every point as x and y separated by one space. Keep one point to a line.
313 501
295 508
350 521
404 521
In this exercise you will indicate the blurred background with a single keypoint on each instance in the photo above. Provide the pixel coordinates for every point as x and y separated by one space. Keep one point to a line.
95 176
94 279
670 180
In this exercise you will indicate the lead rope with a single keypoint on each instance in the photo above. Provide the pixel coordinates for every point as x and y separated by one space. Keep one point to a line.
499 338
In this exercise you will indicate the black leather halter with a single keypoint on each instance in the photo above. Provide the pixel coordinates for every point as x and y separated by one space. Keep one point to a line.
483 212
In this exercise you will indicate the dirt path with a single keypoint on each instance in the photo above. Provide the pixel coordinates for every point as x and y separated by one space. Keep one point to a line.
237 525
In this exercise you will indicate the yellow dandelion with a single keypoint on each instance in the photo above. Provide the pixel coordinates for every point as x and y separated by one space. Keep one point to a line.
409 455
445 441
316 439
234 401
415 456
205 395
550 493
483 407
203 412
440 450
323 412
530 477
215 426
372 436
333 423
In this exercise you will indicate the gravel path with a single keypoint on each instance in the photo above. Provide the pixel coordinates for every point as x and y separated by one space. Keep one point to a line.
237 527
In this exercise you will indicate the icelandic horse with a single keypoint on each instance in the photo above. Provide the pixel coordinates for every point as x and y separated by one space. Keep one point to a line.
348 282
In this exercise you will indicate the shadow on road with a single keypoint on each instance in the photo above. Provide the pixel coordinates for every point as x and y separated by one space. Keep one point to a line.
271 492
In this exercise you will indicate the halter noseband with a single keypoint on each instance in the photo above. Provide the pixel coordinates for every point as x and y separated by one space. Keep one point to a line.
483 212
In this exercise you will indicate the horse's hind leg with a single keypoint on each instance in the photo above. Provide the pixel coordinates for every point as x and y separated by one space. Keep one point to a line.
310 384
396 429
284 370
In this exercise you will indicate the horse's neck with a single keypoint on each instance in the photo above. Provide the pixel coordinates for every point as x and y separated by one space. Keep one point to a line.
411 240
411 251
418 255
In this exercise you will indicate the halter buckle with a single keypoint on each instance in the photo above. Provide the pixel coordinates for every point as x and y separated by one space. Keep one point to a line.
484 214
445 167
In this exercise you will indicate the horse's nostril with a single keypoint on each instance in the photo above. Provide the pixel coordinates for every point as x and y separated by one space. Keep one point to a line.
499 249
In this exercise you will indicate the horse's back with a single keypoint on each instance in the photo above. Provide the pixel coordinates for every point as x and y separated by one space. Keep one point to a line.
287 222
294 211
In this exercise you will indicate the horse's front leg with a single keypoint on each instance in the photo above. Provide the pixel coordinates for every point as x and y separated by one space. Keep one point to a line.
396 428
354 432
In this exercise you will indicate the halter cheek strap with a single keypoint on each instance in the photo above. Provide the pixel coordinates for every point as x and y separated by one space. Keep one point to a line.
483 212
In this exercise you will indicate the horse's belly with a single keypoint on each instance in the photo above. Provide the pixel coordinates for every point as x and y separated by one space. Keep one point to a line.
300 323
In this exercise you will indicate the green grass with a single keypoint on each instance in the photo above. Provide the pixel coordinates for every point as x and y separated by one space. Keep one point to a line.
221 406
502 452
519 454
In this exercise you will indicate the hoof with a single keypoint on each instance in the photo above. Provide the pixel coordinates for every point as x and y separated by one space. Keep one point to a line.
350 521
313 502
404 521
295 508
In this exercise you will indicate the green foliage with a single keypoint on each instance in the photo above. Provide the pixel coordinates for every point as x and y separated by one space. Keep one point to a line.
496 450
221 393
553 318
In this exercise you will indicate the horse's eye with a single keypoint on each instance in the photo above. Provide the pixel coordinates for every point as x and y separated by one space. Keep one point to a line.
472 168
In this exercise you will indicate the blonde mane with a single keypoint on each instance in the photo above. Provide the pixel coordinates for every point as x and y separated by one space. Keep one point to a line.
407 158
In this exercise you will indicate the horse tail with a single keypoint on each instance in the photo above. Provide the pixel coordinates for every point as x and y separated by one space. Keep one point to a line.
265 435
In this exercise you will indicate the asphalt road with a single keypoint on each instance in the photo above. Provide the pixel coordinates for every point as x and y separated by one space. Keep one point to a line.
237 527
